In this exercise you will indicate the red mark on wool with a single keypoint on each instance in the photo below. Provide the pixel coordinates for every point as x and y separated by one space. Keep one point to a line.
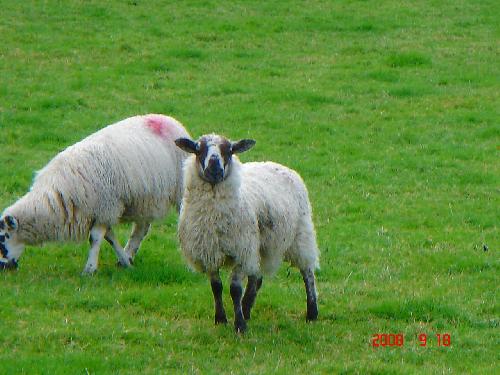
161 125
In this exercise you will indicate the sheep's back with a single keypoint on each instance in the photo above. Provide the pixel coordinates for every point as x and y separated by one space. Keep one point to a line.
130 169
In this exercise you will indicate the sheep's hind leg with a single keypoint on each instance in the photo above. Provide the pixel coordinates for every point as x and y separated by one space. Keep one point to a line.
139 231
96 236
253 286
236 291
312 305
216 284
123 259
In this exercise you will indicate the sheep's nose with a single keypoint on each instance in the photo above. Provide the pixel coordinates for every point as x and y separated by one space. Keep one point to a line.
214 164
214 172
8 264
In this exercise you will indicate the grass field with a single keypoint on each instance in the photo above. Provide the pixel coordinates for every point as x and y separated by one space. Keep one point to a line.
388 109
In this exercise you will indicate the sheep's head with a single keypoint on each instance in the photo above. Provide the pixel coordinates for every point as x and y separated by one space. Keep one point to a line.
214 155
10 247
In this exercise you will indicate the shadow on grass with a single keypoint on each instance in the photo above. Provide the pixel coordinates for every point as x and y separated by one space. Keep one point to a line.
423 310
408 59
155 274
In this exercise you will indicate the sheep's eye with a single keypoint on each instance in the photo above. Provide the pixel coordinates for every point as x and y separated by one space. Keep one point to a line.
7 235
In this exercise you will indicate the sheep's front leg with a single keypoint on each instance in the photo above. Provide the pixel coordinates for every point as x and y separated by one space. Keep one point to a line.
253 286
139 231
96 236
216 284
312 306
236 291
123 259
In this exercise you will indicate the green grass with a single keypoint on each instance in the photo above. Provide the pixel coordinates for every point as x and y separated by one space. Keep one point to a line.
390 112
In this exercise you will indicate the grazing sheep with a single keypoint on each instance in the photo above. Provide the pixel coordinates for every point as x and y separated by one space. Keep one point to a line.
250 216
128 171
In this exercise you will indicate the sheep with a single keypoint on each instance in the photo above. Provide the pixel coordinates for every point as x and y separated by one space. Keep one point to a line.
249 216
130 171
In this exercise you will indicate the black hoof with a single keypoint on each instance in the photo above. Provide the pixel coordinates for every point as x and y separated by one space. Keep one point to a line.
220 320
312 316
240 327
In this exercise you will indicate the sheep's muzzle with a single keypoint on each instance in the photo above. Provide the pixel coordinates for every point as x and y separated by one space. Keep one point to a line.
6 264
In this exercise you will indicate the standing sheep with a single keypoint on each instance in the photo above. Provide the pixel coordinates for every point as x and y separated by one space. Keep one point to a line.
128 171
250 216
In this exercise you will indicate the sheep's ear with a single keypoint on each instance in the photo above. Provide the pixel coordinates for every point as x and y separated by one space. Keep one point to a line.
242 146
11 222
187 145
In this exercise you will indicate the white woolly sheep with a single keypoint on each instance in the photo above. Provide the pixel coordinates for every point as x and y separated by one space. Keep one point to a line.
128 171
250 216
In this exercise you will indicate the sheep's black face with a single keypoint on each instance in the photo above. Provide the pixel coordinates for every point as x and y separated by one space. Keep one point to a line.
10 247
214 158
214 155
